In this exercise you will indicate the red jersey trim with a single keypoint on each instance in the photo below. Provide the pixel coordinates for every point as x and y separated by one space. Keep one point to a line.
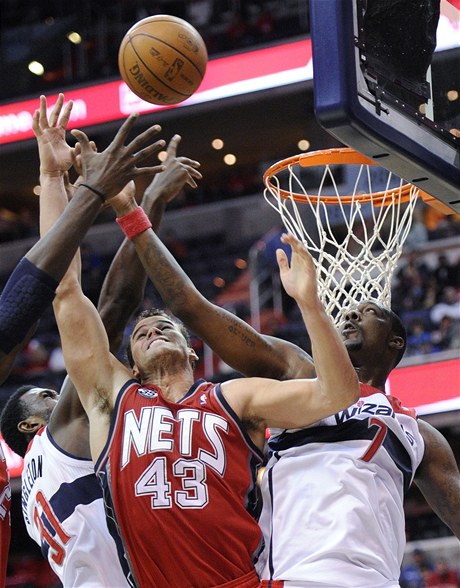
367 390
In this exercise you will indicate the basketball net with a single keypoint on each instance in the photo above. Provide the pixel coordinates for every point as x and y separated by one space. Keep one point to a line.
355 239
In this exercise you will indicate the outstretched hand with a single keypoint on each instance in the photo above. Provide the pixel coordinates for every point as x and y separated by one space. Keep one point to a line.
177 172
110 170
55 154
298 278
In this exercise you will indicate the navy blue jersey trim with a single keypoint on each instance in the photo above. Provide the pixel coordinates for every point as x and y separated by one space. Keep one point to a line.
65 500
271 567
84 490
238 422
348 431
193 389
113 527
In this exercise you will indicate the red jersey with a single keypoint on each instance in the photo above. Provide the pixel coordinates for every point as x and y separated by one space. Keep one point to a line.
179 482
5 524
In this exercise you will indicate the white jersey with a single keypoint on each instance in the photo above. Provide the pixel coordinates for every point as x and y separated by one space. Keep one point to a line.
64 513
333 497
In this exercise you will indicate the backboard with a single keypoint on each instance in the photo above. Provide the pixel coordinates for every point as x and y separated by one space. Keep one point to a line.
387 83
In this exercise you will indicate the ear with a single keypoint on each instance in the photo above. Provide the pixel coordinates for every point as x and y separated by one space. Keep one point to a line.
192 355
136 373
31 425
396 342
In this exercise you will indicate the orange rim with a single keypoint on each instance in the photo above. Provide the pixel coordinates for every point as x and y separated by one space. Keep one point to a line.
343 156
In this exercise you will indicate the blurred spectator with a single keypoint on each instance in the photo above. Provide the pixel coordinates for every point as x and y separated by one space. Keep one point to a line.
409 284
33 361
412 574
439 225
8 225
445 273
419 339
238 33
27 223
265 25
443 576
448 306
56 361
199 12
447 335
418 234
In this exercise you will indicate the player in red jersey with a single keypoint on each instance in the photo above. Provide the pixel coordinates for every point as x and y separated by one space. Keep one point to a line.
176 458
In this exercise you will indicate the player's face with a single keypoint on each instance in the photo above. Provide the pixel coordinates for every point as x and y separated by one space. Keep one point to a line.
155 336
365 326
41 402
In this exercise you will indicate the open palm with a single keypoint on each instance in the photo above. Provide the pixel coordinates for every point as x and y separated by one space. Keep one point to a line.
55 153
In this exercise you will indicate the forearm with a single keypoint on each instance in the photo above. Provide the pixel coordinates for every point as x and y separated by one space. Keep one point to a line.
8 357
438 477
53 200
29 289
123 288
334 370
231 338
122 292
84 342
169 279
53 253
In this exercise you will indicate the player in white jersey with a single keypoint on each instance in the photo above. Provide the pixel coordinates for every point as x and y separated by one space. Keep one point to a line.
346 476
333 493
64 513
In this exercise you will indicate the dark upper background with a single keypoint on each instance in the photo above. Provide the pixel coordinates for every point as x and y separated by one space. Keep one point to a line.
258 127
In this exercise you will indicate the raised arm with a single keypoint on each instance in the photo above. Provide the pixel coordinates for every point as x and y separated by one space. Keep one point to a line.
297 403
95 372
438 477
334 369
120 298
235 341
30 288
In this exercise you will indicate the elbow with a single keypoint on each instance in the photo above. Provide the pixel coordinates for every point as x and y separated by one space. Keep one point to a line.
344 393
66 288
350 390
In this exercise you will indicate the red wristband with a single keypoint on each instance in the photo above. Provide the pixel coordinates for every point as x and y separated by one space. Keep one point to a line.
133 223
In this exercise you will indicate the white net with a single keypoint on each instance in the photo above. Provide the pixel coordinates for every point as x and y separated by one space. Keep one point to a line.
355 239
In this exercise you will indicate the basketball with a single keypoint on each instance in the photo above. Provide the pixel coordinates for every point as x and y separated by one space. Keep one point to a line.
162 59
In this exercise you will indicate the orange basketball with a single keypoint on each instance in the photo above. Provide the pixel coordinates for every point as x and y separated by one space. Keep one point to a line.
162 59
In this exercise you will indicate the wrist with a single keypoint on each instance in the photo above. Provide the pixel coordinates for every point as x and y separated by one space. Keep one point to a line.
51 174
123 208
134 222
102 197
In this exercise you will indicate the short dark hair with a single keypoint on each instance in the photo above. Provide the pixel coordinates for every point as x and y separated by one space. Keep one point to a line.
13 413
156 312
400 330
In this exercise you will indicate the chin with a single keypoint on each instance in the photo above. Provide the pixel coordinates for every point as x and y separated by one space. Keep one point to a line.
352 345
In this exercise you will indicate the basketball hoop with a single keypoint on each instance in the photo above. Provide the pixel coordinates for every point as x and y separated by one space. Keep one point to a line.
355 238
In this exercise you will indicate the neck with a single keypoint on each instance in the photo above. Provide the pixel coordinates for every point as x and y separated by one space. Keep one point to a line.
372 377
172 385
